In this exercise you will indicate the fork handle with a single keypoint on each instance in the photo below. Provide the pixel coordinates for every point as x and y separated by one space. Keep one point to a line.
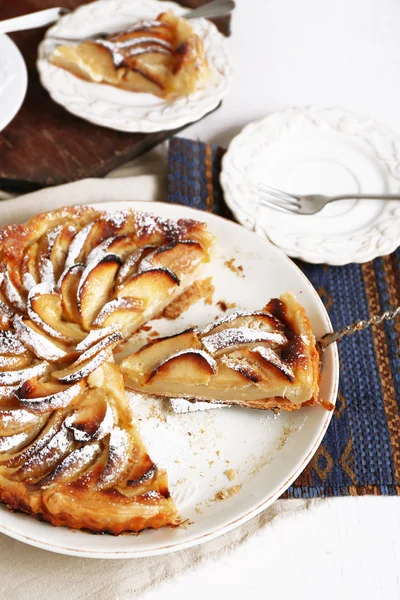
33 20
365 197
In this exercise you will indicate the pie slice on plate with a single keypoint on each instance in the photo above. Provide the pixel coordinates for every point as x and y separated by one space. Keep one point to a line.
264 359
163 57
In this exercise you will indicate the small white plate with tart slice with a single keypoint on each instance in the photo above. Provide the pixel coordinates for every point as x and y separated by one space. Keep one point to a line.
148 70
223 465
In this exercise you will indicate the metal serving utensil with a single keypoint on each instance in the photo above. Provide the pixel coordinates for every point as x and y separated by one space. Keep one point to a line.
336 336
216 8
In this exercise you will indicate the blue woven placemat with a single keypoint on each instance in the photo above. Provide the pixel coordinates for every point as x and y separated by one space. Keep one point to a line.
360 453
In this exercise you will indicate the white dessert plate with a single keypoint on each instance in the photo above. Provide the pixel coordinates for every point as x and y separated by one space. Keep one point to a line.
324 151
13 80
266 451
120 109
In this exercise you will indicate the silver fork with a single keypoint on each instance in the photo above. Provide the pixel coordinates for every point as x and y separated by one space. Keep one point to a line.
308 204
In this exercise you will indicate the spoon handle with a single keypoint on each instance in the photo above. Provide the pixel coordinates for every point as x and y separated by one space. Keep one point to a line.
336 336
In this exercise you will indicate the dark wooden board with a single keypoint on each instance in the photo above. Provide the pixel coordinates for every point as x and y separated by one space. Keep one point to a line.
45 145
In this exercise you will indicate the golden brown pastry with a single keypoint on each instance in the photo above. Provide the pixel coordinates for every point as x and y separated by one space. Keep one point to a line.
163 57
74 283
265 359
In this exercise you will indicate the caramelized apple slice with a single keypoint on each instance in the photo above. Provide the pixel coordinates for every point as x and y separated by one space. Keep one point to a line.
45 246
229 340
253 320
142 363
53 424
179 257
85 365
118 312
6 316
29 271
72 466
7 395
75 248
46 459
10 344
13 443
93 419
152 286
39 396
94 336
131 264
52 252
45 310
118 458
16 421
39 344
69 283
97 288
271 365
10 291
13 377
14 363
191 366
109 341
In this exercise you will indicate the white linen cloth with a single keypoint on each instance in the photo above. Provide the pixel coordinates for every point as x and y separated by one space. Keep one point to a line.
41 575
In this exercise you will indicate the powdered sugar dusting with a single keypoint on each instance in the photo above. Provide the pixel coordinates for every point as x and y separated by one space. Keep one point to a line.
11 344
117 459
28 281
12 442
5 312
240 336
73 463
77 245
95 335
182 406
105 342
6 391
12 377
19 416
228 319
48 456
85 370
104 429
117 219
39 344
11 292
270 356
113 305
52 402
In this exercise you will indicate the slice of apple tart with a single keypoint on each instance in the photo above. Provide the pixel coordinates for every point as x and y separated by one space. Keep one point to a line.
162 56
264 359
74 284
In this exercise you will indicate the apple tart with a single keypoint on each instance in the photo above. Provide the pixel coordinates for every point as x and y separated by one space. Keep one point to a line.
74 284
163 57
266 359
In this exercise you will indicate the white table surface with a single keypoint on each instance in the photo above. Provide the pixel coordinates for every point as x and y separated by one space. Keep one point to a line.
342 53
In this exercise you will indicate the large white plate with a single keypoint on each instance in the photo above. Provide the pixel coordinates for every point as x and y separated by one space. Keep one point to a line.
323 151
266 450
13 80
119 109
